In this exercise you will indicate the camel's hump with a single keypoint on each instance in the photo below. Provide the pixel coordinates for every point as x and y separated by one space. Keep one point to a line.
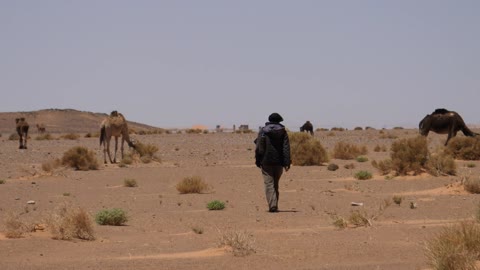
441 111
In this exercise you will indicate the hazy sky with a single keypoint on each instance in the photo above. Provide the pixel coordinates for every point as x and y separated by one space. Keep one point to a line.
179 63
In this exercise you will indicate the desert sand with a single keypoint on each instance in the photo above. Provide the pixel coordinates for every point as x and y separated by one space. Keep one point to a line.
159 233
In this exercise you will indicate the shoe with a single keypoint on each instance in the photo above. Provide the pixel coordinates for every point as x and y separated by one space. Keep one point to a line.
273 210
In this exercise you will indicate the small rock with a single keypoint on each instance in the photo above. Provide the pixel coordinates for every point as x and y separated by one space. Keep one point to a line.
413 205
357 204
31 202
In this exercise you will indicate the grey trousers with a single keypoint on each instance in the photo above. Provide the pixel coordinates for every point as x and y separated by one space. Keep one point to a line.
271 177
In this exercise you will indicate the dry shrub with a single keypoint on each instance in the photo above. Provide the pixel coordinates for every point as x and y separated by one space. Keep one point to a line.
50 166
44 137
13 137
71 222
343 150
146 151
194 184
80 158
349 166
332 167
130 182
337 129
71 136
409 155
384 166
387 136
455 247
379 148
306 150
472 185
441 163
465 148
241 243
358 128
363 175
198 131
359 219
14 228
340 223
126 160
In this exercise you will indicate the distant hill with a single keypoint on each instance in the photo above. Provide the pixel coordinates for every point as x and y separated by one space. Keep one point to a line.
61 121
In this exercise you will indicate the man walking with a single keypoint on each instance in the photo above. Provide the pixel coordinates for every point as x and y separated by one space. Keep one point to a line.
272 155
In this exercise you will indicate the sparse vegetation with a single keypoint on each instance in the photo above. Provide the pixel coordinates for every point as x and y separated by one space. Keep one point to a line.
340 223
216 205
130 182
343 150
194 184
384 166
193 131
197 230
69 222
332 167
113 217
44 137
147 152
464 148
306 150
358 219
13 137
379 148
363 175
455 247
241 243
358 128
51 165
471 165
3 181
80 158
71 136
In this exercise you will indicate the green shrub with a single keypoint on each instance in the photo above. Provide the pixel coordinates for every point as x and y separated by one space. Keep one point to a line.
194 184
306 150
441 164
332 167
455 247
216 205
464 148
362 159
80 158
363 175
114 217
343 150
409 155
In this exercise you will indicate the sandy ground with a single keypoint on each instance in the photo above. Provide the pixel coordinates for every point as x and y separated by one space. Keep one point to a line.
159 232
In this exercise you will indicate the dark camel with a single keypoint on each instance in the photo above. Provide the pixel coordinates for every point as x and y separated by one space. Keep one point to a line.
41 128
307 127
443 121
115 125
22 130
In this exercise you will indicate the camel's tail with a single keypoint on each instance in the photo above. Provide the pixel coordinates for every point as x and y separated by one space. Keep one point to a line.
103 135
468 132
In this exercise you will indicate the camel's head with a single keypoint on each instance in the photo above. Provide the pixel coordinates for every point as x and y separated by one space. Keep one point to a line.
424 125
17 120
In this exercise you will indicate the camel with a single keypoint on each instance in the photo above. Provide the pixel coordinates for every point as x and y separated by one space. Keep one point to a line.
41 128
307 127
22 130
114 125
443 121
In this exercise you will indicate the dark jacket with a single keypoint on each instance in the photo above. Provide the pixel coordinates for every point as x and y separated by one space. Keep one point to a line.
272 146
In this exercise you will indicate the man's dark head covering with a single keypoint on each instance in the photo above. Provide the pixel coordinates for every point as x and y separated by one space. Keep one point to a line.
275 117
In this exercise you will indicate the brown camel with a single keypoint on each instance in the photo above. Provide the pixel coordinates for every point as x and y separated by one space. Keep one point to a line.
41 128
22 130
114 125
443 121
307 127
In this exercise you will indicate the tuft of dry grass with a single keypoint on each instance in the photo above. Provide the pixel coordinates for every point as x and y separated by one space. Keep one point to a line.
384 166
379 148
80 158
71 222
44 137
306 150
359 219
343 150
464 148
193 184
51 165
241 243
340 223
147 152
397 199
455 247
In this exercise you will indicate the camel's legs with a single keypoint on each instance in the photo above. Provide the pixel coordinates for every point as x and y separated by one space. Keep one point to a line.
107 150
25 137
121 146
116 147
